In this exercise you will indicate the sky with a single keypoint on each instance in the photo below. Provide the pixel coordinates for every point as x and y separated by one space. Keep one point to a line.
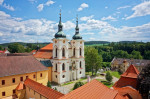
99 20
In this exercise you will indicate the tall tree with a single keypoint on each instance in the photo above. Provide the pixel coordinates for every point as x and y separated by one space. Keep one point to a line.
92 59
108 77
16 48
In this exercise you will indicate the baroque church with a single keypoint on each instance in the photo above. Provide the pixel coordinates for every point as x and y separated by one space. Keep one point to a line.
66 57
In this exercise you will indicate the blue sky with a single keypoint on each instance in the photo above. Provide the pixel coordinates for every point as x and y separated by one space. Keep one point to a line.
103 20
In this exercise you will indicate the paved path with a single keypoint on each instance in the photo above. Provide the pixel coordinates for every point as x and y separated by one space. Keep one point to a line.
67 88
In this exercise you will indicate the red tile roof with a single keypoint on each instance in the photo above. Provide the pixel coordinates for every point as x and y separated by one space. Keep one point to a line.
15 64
129 92
45 52
93 90
123 81
43 90
20 86
48 47
128 78
131 72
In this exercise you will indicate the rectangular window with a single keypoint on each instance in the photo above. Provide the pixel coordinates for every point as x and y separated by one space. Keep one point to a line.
21 78
41 75
33 76
14 91
13 80
3 93
3 82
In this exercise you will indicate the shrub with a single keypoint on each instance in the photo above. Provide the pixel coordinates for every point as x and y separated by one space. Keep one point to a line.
77 85
108 77
49 84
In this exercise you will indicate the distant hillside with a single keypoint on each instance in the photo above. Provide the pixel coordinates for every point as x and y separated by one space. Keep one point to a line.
96 42
24 44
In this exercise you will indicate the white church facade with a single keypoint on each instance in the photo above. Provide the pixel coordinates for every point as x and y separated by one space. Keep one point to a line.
68 56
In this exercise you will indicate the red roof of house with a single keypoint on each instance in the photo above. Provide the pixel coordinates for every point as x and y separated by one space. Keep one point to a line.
93 90
129 92
20 86
43 90
45 52
48 47
128 78
131 72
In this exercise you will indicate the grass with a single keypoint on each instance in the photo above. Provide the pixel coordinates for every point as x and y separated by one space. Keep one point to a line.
114 73
67 83
105 82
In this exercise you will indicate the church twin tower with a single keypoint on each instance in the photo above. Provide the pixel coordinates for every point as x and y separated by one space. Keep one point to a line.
68 57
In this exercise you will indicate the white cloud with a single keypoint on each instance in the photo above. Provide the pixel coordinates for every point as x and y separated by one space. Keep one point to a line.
127 6
109 18
8 7
106 7
85 18
48 3
82 6
1 2
142 9
40 7
88 33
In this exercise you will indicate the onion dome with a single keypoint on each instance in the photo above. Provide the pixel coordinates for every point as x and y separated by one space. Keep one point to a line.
77 35
60 33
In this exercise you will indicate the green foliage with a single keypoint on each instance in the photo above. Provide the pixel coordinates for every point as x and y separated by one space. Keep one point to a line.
77 85
108 77
16 48
136 55
1 48
55 89
105 64
49 84
93 59
147 55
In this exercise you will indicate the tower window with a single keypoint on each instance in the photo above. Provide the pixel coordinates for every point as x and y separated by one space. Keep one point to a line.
63 76
56 76
3 82
80 51
56 68
13 80
80 72
56 52
63 67
80 64
74 52
63 52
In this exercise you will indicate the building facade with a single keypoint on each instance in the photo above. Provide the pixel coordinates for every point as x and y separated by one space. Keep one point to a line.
16 69
121 64
68 57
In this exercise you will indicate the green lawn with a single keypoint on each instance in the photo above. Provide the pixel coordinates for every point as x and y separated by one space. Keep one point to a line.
115 74
105 83
68 83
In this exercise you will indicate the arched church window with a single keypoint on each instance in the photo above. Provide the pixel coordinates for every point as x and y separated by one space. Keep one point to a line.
80 64
74 52
63 67
56 68
80 51
63 52
56 52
